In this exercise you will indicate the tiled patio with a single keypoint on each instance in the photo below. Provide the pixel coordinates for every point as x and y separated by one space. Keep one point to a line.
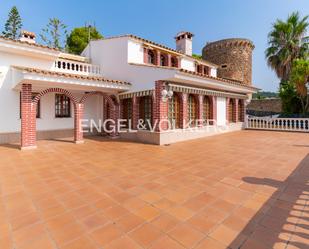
245 190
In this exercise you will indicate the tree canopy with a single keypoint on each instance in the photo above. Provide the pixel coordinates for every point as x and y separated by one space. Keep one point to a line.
13 24
287 41
300 78
54 34
79 38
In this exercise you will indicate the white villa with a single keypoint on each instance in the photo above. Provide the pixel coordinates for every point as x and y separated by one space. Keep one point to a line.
46 93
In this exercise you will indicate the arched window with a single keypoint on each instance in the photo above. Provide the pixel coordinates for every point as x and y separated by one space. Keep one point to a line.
145 110
151 57
174 62
207 109
192 110
241 111
163 60
127 111
174 111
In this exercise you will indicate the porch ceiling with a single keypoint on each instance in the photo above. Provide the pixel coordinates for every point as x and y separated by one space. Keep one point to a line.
47 78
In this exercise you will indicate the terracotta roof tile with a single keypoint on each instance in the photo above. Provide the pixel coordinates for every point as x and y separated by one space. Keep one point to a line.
29 44
162 46
233 82
68 75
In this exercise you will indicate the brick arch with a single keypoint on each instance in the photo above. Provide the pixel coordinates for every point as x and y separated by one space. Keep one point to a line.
109 99
55 90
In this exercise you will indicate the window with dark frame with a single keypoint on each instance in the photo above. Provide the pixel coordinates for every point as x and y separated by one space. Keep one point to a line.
62 106
192 110
151 57
38 107
174 111
145 110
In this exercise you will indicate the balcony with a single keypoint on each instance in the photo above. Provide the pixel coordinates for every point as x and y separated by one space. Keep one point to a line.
73 67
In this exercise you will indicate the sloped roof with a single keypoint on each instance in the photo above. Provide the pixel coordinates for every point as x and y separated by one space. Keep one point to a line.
68 75
162 46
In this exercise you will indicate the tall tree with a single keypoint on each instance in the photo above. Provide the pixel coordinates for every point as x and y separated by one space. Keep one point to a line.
300 78
13 24
287 41
55 33
79 38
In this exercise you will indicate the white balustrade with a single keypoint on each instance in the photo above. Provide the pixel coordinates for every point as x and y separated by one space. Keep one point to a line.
279 124
67 66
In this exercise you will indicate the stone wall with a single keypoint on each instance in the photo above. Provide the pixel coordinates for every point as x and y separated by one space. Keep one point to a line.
234 58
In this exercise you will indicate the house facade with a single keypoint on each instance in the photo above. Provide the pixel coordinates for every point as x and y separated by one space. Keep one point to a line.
153 93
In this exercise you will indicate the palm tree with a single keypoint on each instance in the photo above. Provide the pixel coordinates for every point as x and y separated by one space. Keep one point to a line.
300 78
287 41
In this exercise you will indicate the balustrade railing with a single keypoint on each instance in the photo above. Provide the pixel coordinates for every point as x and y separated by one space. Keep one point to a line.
280 124
67 66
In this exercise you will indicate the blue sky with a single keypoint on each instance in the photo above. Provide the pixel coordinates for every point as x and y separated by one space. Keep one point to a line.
161 20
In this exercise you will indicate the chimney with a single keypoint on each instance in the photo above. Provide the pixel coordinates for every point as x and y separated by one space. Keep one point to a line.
26 36
184 42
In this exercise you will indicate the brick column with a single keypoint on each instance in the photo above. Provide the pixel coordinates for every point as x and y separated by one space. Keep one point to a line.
78 115
214 109
158 55
200 109
227 109
183 109
236 114
28 118
169 60
135 112
161 108
146 55
115 115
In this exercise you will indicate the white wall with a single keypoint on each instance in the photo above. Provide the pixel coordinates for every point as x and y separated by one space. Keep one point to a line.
135 52
187 64
115 55
221 111
10 98
213 72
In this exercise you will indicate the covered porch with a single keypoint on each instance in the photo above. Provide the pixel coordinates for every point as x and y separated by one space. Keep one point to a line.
71 94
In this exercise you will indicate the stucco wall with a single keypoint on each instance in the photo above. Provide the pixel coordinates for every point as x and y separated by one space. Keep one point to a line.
10 98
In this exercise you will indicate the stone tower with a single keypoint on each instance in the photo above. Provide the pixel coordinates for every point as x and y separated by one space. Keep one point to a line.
234 58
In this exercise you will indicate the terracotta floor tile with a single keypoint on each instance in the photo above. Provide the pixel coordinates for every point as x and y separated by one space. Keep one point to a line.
145 235
129 222
244 188
150 197
82 242
181 213
6 242
67 233
147 212
226 235
165 222
210 243
27 234
39 243
186 235
202 223
166 243
106 234
123 242
133 204
164 204
115 212
94 221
